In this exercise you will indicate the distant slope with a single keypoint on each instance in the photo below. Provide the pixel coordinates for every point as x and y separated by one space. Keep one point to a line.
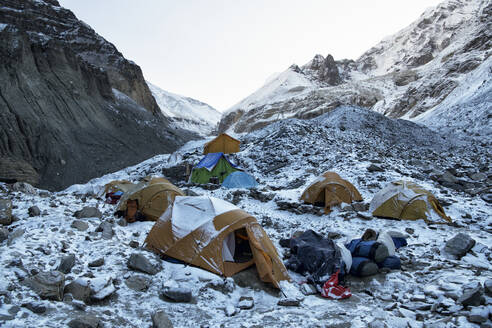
185 112
405 75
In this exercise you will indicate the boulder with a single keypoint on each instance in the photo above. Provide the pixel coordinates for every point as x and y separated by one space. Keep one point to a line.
289 302
34 211
24 187
478 314
66 264
101 288
5 211
79 289
86 321
459 245
487 197
35 307
107 230
246 303
138 283
375 168
97 263
177 294
4 234
471 297
138 262
88 212
488 287
161 320
80 225
48 285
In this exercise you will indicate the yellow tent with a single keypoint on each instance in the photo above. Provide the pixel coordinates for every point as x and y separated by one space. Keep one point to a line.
223 143
217 236
407 201
329 190
152 198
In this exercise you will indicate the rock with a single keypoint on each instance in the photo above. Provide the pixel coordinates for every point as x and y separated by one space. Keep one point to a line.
177 294
79 305
375 168
488 287
101 288
107 230
487 197
479 176
122 222
360 206
97 263
161 320
140 263
24 187
478 314
86 321
80 225
459 245
138 283
288 302
15 169
4 234
246 303
410 231
134 244
88 212
48 285
66 264
14 235
35 307
230 310
34 211
5 211
471 297
79 289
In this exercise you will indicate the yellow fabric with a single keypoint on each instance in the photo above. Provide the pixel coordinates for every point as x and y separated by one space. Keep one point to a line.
223 143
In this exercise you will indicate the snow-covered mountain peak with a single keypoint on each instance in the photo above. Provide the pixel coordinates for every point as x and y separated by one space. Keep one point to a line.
186 112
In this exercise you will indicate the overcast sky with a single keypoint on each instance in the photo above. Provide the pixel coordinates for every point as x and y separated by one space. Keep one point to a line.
220 51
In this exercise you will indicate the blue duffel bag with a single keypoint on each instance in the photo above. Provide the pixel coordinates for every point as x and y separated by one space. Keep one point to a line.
370 249
391 262
362 267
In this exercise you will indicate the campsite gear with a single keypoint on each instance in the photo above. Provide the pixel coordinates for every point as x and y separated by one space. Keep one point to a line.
315 255
399 242
223 143
369 249
113 197
212 165
118 185
330 190
406 200
239 179
391 262
363 267
331 289
152 198
201 231
369 234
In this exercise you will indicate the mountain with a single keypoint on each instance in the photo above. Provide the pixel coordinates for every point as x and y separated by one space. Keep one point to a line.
186 113
71 106
405 75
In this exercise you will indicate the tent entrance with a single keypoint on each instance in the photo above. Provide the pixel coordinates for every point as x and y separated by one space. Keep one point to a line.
236 252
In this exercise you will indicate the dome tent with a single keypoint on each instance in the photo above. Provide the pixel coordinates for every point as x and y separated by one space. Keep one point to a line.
207 232
212 165
329 190
407 201
118 185
152 197
239 179
223 143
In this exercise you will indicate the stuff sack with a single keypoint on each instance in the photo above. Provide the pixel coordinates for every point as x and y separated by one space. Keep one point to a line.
391 262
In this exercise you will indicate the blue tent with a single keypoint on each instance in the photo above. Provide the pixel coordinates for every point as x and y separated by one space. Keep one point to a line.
211 159
239 179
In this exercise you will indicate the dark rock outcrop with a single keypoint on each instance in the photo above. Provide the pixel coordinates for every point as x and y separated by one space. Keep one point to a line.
71 106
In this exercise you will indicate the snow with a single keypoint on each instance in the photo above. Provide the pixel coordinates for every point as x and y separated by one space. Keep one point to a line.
187 113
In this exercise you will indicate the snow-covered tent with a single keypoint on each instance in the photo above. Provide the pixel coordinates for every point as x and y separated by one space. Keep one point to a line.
212 165
329 190
217 236
407 201
239 179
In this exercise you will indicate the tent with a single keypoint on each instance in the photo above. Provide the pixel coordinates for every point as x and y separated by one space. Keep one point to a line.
223 143
239 179
118 185
329 190
212 165
216 236
408 201
152 198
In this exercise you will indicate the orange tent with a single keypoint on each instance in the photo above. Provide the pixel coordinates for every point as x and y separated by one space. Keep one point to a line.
223 143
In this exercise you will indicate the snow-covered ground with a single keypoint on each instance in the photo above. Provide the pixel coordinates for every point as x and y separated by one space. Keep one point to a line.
187 113
284 157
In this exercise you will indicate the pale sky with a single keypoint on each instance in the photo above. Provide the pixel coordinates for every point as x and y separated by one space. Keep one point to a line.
220 51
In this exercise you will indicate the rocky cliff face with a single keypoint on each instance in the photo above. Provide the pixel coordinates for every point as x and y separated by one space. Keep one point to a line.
71 105
404 75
